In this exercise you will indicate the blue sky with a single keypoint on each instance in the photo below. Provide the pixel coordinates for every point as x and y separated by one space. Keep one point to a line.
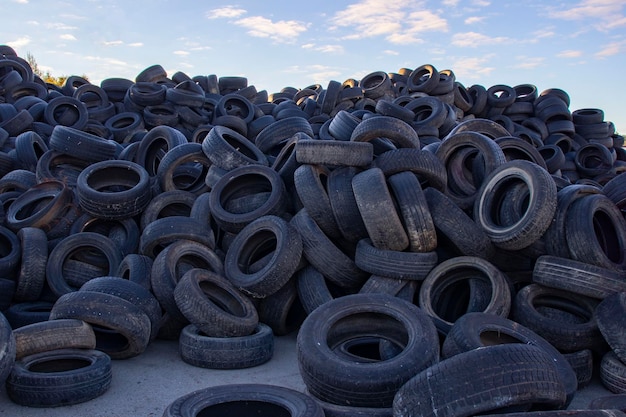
576 45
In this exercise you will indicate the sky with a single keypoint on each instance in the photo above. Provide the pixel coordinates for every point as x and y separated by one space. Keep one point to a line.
575 45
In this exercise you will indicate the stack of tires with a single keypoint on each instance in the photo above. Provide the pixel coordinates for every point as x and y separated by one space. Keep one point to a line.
401 223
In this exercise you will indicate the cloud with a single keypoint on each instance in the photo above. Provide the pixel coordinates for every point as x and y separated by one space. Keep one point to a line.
135 44
526 62
570 53
611 49
60 26
398 22
284 31
474 39
32 22
474 67
450 3
228 12
19 42
327 49
107 61
112 43
481 3
390 52
20 1
608 12
474 19
67 37
181 53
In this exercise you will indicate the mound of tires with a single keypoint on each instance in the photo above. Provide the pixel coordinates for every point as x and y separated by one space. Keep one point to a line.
440 249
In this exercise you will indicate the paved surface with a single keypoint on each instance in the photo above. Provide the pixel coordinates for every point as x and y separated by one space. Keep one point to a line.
146 384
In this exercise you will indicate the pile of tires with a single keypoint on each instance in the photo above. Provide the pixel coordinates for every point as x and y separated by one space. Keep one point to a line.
402 224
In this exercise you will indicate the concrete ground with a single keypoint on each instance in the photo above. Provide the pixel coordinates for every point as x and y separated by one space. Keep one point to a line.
144 386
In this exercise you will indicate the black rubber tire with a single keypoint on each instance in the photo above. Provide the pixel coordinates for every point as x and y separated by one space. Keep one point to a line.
10 252
595 231
282 311
424 164
578 277
609 402
167 203
343 204
52 335
28 312
58 114
555 238
29 147
237 352
334 153
271 237
155 144
310 182
65 251
211 303
476 330
275 134
535 203
244 181
398 132
32 272
7 348
609 315
335 379
324 255
113 190
455 152
514 148
172 263
59 378
136 268
378 211
564 319
582 363
132 292
228 149
163 232
414 213
122 329
334 410
455 229
483 380
443 277
82 145
613 373
394 264
245 399
313 289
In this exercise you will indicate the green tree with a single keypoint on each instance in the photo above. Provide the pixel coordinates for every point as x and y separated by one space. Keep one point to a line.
46 76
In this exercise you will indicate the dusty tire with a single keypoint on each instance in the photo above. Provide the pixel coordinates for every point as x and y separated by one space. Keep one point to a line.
245 399
52 335
236 352
335 379
59 378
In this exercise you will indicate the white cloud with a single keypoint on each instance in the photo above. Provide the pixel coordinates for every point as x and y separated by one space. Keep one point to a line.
450 3
608 12
526 62
200 48
481 3
67 37
611 49
474 19
474 67
135 44
19 42
107 61
390 52
285 31
474 39
60 26
21 1
398 22
32 22
336 49
181 53
228 12
570 53
112 43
